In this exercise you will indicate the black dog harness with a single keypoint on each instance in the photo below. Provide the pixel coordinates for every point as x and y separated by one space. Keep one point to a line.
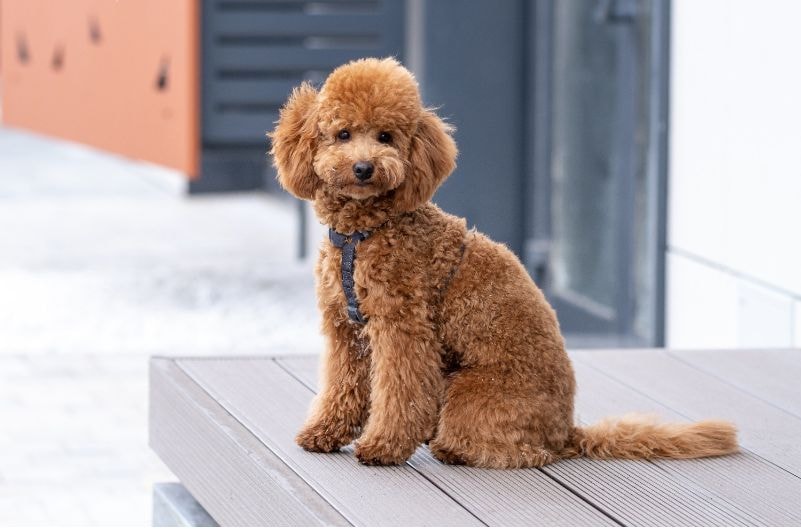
348 245
348 242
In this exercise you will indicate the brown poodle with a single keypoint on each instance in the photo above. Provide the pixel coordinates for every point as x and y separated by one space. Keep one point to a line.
435 333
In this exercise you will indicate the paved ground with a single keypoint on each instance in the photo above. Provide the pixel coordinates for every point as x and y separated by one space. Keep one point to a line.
104 263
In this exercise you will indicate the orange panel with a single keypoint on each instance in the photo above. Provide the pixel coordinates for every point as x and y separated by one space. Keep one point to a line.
120 75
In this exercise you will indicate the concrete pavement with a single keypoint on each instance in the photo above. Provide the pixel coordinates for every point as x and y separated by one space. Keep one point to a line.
103 262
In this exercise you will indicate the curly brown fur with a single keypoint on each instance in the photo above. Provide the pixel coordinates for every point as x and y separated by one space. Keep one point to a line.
461 348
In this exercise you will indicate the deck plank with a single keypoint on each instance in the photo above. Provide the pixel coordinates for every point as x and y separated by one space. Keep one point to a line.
632 492
272 404
305 368
510 498
764 429
497 497
772 375
768 495
638 493
214 455
756 487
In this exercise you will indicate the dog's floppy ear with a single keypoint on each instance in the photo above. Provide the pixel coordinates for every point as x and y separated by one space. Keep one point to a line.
294 142
432 157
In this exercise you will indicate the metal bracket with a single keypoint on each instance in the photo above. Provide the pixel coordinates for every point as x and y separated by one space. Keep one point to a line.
617 11
536 253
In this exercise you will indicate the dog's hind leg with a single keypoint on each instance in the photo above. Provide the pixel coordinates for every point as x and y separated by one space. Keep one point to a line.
490 454
495 417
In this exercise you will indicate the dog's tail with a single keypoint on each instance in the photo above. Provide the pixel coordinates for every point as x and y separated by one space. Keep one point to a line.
637 436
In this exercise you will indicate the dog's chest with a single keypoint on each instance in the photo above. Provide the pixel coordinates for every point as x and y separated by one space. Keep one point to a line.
344 275
359 278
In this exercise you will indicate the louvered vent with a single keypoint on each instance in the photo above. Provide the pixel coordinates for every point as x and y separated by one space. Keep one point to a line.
255 51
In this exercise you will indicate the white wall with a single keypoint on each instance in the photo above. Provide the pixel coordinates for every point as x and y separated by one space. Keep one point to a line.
734 217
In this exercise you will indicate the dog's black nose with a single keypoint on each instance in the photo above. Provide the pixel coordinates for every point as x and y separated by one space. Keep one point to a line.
363 170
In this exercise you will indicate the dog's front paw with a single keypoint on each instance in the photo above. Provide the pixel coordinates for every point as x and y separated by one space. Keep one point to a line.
319 437
380 451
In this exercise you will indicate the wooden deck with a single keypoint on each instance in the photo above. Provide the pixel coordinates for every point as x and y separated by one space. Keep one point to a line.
225 426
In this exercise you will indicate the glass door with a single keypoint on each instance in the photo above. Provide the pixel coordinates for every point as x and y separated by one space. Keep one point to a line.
600 179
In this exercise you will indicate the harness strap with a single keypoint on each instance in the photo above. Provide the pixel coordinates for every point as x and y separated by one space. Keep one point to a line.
348 242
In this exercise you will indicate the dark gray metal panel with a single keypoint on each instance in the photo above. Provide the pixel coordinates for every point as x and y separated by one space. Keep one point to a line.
230 169
263 20
255 52
473 69
660 131
633 259
174 506
537 212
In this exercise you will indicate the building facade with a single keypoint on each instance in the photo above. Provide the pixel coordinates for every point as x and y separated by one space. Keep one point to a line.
734 250
640 156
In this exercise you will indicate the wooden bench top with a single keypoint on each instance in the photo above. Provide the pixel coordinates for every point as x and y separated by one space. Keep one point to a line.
225 426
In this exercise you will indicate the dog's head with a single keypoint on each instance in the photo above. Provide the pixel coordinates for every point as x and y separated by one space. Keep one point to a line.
364 134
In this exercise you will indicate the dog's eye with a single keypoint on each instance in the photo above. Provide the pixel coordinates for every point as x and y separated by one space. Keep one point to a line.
384 137
343 135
